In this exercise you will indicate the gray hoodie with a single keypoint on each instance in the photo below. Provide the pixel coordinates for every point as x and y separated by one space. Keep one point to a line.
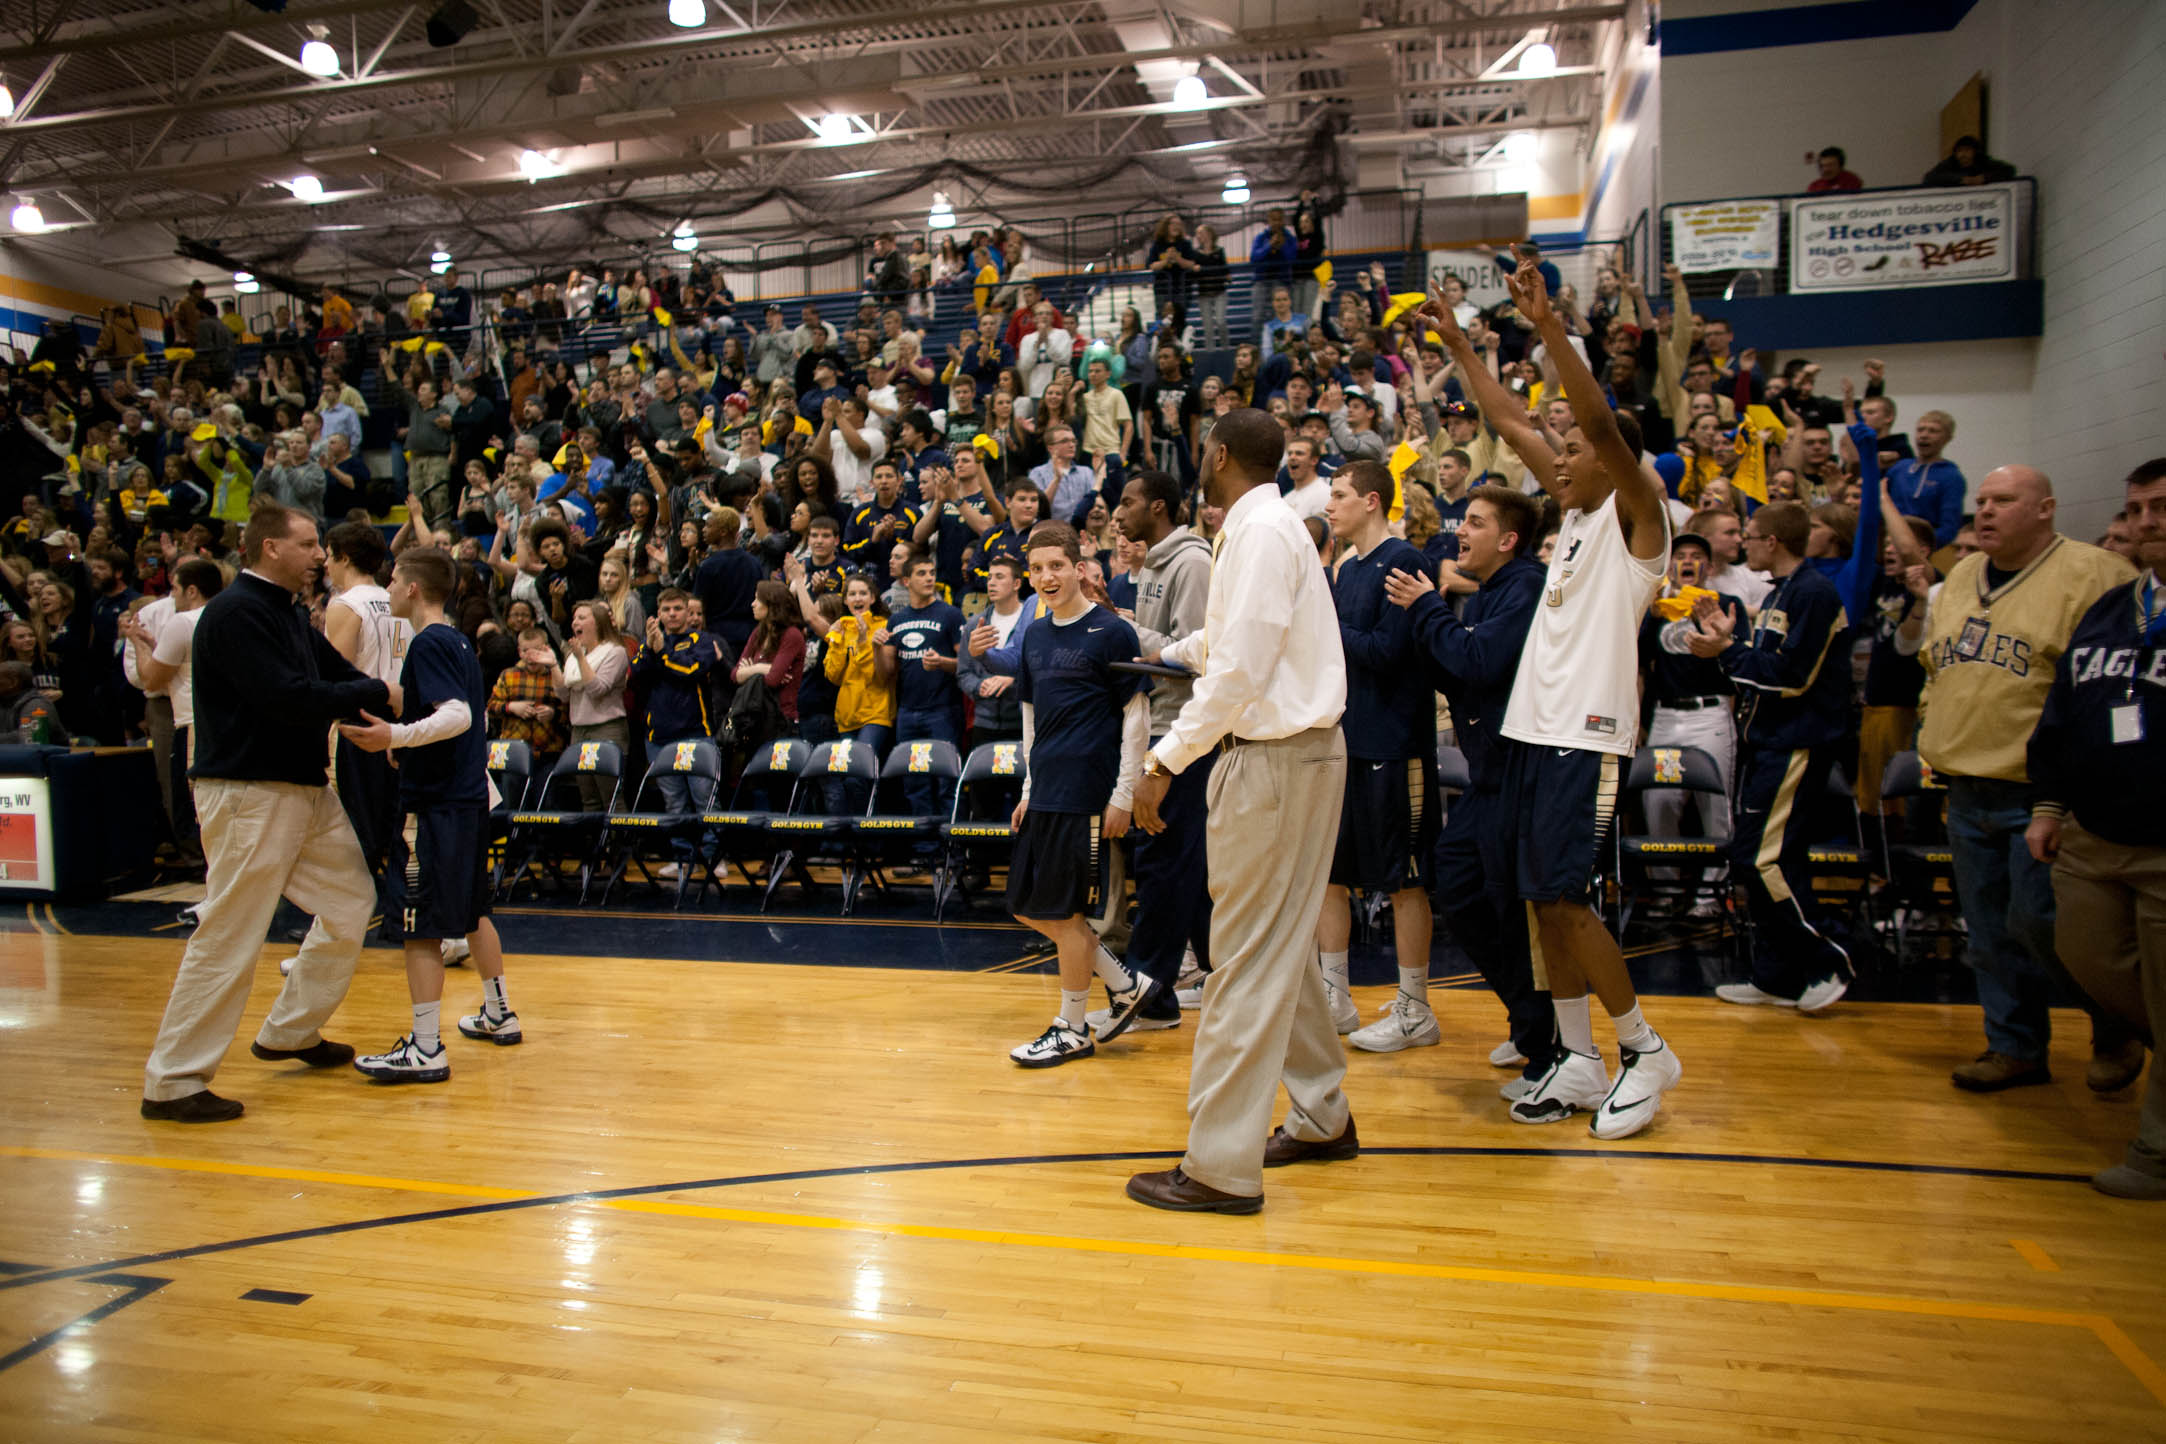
1171 592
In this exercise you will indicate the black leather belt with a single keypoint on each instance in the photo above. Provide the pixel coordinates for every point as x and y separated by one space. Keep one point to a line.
1694 704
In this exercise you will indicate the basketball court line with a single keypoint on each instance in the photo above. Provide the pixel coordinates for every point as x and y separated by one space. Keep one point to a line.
642 1198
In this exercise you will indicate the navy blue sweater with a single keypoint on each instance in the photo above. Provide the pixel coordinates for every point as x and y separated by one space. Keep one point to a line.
1386 720
1792 672
1474 656
2116 789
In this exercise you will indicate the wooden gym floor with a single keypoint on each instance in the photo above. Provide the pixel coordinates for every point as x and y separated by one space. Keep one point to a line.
716 1201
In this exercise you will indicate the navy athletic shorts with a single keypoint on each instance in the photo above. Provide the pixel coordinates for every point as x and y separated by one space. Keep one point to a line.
1059 866
1557 814
440 870
1388 827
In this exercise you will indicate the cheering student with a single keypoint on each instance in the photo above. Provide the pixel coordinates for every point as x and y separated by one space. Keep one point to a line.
1388 826
1085 728
440 875
1574 715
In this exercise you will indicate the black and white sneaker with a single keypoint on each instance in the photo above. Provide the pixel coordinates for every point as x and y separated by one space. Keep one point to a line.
1574 1083
1059 1043
1122 1007
406 1063
502 1031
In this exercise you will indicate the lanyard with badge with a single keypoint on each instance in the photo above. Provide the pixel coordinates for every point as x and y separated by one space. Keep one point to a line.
1970 642
2126 720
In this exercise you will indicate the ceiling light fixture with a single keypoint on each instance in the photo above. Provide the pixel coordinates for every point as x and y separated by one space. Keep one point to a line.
942 215
1520 146
1189 92
306 188
27 218
1538 59
684 238
7 102
437 268
534 165
317 56
440 255
688 14
245 283
834 127
1236 192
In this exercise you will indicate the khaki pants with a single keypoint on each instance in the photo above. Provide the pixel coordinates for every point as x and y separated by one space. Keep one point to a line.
262 839
2110 929
1273 825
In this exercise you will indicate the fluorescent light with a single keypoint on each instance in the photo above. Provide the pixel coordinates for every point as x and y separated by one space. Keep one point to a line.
688 14
318 58
1189 91
7 102
1520 146
1236 192
1539 58
242 278
440 255
437 268
684 238
27 218
245 283
834 127
306 188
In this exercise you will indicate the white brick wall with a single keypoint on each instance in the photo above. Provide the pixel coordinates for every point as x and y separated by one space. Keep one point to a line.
2074 102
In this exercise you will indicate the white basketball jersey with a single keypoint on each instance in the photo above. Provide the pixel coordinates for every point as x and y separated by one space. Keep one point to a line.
383 636
1578 684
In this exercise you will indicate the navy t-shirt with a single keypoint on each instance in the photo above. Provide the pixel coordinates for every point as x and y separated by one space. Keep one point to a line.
1065 673
441 667
916 633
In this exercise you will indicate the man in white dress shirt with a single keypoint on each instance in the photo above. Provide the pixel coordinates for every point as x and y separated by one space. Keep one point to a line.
1270 688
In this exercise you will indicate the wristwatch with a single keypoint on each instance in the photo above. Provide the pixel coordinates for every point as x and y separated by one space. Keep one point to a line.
1152 767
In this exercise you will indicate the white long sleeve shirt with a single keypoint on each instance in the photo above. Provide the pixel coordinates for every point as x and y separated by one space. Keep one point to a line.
1268 659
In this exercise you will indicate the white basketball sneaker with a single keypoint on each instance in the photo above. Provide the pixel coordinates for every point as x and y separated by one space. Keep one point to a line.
1642 1078
1344 1015
1059 1043
406 1063
1408 1024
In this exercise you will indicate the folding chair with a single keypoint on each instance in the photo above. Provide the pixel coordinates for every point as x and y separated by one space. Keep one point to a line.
634 834
1452 772
808 834
883 837
511 769
739 837
1703 863
978 830
1841 868
563 835
1920 870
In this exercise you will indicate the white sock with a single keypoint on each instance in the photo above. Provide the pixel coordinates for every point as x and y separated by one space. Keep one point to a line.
493 1003
1073 1007
428 1031
1112 971
1632 1030
1575 1026
1414 983
1334 969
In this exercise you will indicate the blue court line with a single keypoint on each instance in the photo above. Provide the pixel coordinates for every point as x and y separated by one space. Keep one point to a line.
648 1190
139 1286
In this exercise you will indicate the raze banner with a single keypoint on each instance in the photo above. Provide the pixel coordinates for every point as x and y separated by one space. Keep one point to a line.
1868 241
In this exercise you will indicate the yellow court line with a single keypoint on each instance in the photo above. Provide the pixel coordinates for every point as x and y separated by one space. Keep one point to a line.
258 1170
2108 1333
2035 1256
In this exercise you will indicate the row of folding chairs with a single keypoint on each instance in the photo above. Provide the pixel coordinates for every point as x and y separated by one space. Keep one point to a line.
775 828
1918 872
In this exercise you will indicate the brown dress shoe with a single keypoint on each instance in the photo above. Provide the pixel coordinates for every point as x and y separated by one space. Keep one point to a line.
1283 1148
323 1053
1175 1190
2115 1069
1992 1072
202 1107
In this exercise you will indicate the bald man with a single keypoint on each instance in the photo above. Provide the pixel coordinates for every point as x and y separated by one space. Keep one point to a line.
1993 635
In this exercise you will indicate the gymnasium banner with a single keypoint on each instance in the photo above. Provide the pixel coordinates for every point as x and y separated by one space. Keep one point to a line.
1477 271
1869 241
1725 235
